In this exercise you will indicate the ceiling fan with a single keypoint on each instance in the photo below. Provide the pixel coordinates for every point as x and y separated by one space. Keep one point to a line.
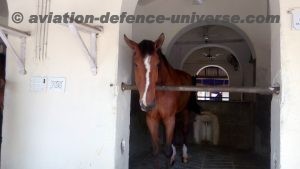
210 56
207 36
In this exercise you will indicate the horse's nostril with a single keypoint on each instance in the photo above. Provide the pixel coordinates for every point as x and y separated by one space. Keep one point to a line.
148 107
152 105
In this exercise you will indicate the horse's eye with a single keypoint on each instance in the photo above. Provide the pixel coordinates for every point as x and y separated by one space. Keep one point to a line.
135 65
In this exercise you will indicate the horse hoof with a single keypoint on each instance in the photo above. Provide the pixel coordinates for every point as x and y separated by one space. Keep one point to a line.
184 160
172 162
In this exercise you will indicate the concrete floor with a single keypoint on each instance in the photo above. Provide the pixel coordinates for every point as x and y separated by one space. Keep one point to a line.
206 158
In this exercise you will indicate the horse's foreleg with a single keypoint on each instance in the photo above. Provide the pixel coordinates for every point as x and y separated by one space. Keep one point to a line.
170 149
185 131
153 126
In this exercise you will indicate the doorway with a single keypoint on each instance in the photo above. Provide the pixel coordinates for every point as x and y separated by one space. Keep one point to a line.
244 122
262 103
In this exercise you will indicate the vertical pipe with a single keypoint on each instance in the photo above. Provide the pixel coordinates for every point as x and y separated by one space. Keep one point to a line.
37 32
44 29
47 30
40 32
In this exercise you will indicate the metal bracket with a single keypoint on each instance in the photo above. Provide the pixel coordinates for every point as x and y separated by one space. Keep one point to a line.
92 53
22 35
290 11
275 88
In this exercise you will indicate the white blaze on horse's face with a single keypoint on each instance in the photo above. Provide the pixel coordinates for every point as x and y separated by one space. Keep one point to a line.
147 76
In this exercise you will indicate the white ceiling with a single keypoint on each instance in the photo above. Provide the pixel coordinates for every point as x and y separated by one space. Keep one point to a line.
219 34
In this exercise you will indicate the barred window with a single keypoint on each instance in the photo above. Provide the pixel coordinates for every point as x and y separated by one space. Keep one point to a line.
212 76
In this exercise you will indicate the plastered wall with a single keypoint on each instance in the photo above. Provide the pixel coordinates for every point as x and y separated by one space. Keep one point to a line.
81 128
286 66
77 128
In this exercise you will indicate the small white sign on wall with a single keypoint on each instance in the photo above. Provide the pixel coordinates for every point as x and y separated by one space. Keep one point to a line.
296 18
38 84
56 84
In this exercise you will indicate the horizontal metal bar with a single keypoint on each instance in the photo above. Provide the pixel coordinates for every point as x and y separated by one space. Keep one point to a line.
13 31
258 90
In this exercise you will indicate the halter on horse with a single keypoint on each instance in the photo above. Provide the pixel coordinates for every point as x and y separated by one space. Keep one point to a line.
151 69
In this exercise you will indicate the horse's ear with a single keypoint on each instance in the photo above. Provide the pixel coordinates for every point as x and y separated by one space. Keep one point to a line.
159 42
130 43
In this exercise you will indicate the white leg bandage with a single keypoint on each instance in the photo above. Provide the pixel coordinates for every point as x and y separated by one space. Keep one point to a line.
184 151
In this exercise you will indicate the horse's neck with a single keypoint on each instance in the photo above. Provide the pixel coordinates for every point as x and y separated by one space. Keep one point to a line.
165 72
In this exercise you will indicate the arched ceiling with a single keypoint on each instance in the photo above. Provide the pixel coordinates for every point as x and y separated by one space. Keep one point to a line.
212 55
211 34
209 54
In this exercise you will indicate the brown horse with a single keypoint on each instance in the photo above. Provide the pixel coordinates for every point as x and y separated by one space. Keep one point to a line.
151 69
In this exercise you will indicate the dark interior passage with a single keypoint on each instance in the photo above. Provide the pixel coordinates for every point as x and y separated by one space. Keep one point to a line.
244 136
234 128
207 157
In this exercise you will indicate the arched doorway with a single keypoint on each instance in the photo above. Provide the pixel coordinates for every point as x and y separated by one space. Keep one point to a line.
249 41
195 39
212 75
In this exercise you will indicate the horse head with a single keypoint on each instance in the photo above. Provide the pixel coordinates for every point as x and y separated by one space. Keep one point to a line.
146 61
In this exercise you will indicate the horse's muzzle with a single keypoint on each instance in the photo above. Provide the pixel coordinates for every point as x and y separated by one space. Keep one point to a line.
148 107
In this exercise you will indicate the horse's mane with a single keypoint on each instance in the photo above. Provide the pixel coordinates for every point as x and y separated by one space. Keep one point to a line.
163 58
146 47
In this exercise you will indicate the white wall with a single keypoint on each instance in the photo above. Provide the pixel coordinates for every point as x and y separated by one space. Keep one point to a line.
289 99
71 130
77 129
123 102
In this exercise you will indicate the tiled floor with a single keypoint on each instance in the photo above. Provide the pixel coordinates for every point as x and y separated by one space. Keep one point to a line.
207 158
